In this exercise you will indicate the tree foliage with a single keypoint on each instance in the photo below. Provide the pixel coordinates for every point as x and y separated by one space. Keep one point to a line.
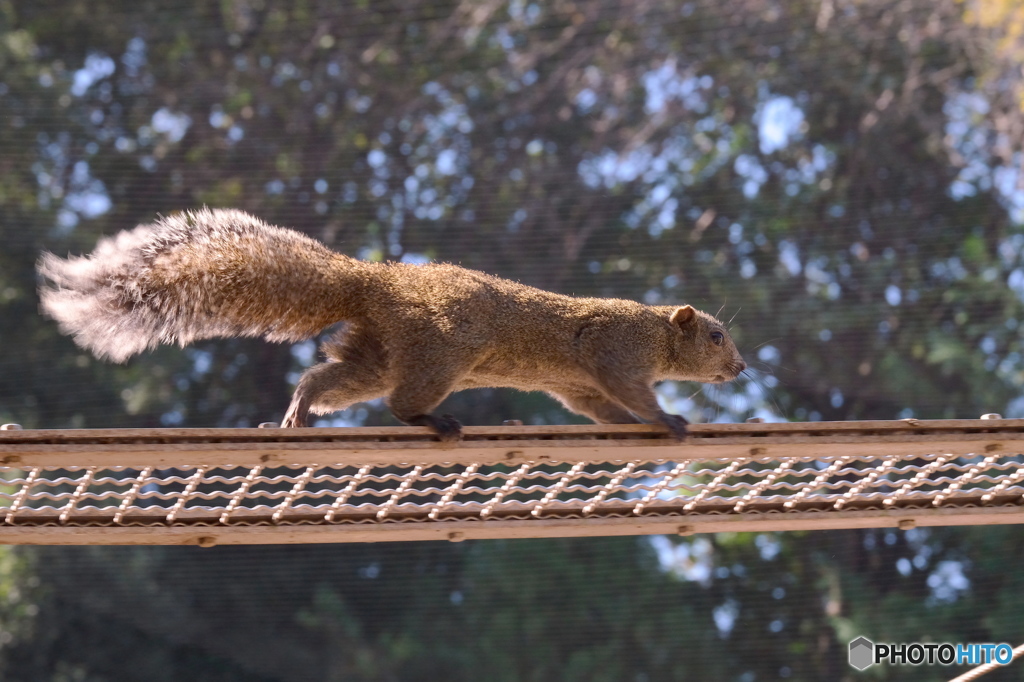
842 177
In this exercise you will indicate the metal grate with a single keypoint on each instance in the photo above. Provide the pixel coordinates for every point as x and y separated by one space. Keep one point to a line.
332 485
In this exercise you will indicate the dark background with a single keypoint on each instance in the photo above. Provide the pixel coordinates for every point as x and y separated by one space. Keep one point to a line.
840 178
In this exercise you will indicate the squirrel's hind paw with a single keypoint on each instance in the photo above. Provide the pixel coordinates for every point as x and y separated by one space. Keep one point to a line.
296 417
447 427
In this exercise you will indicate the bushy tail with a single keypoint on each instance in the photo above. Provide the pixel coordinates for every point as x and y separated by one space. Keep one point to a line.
199 275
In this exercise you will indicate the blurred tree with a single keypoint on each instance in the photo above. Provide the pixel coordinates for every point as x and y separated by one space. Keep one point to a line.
842 175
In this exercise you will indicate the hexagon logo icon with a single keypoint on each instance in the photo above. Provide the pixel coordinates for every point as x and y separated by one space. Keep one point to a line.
862 653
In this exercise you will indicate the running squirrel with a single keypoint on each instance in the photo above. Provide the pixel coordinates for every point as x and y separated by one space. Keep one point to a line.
414 333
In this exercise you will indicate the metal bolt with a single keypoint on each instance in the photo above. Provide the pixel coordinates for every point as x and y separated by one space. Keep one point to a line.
992 415
10 427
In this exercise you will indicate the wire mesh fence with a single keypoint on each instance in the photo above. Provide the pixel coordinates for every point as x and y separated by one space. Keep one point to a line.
604 473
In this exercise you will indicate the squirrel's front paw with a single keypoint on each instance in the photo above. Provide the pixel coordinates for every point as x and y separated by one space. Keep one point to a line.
676 424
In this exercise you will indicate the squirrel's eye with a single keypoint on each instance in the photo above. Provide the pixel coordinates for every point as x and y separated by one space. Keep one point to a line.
717 338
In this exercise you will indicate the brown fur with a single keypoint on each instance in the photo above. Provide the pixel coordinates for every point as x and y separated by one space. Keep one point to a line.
414 333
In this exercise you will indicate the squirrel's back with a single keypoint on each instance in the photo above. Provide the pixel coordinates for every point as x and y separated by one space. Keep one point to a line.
199 275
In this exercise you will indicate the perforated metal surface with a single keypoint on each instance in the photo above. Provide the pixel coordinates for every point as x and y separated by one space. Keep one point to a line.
412 494
501 482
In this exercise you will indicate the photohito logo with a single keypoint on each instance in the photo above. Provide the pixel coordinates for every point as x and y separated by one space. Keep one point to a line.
862 653
865 653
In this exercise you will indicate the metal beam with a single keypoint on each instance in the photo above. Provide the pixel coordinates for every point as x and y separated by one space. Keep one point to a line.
241 486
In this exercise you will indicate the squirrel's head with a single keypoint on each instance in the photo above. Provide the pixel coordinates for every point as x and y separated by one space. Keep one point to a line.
703 349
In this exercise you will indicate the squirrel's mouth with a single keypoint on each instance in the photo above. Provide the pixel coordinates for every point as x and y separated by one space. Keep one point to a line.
732 371
735 368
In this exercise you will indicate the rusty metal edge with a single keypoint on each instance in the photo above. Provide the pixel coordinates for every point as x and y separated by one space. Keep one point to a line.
475 530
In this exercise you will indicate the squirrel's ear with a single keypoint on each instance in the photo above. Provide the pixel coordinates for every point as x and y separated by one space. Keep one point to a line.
683 315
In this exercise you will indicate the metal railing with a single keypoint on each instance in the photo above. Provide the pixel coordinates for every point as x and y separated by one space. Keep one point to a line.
232 486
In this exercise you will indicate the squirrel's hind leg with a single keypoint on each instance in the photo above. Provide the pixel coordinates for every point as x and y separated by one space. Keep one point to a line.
414 398
332 386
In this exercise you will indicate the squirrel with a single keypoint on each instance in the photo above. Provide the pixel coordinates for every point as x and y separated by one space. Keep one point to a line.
414 333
